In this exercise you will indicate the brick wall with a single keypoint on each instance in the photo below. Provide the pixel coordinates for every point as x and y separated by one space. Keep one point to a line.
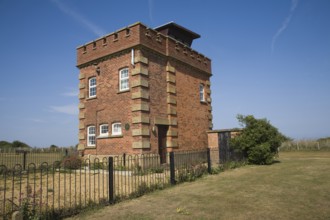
213 140
164 89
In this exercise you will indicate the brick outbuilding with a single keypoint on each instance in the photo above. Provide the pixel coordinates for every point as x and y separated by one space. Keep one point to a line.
143 90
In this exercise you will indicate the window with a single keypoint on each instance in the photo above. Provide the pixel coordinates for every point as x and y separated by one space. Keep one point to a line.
116 129
127 31
92 87
91 136
104 130
123 80
201 93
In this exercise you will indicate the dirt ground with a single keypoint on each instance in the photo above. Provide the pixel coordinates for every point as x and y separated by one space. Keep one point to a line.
69 190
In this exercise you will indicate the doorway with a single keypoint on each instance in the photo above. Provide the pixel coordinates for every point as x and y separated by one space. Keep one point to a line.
162 150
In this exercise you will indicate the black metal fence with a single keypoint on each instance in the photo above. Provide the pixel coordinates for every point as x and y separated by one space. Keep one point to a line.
11 157
63 188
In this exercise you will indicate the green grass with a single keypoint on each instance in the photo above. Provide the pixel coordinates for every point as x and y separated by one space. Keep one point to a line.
297 187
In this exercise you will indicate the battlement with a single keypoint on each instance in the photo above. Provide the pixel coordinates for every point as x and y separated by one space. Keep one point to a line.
136 35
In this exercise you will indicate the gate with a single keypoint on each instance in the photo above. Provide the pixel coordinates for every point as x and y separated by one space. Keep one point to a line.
224 148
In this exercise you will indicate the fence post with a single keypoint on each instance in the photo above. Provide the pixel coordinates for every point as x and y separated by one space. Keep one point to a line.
209 160
24 159
172 168
111 182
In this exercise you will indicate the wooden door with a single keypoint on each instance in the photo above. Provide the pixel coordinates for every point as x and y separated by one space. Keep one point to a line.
162 132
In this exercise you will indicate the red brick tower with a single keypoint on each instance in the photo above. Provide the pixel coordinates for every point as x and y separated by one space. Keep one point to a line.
143 90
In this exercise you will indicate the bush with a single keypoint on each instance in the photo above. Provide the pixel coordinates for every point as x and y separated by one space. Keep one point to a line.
259 140
72 162
261 154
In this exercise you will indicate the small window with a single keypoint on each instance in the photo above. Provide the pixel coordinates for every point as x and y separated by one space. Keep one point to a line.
116 129
123 80
104 130
115 36
128 31
94 45
104 41
92 87
91 136
201 93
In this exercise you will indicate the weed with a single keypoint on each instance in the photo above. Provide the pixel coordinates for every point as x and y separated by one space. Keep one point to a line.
97 166
120 168
139 171
143 188
157 170
182 211
191 173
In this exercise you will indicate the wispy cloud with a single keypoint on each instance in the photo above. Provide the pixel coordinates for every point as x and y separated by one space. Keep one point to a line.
79 18
66 109
71 93
36 120
285 24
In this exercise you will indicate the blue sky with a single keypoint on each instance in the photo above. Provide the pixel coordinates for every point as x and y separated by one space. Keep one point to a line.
270 58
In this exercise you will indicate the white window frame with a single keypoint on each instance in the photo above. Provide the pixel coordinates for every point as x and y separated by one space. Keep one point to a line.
201 92
115 129
102 128
123 80
92 87
91 138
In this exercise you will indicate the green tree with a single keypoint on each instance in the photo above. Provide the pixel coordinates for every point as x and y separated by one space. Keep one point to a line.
53 148
19 144
258 141
5 145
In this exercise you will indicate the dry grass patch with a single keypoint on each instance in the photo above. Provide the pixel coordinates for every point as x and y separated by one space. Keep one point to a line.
295 188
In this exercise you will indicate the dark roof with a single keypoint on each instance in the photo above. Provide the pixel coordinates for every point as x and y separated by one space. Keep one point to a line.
173 25
178 32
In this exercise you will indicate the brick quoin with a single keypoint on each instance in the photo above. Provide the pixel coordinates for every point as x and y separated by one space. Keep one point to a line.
165 75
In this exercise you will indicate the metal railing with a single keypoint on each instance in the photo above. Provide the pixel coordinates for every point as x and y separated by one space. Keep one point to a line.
10 158
64 188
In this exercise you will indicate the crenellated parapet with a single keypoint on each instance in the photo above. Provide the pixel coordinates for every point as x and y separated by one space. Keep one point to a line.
139 35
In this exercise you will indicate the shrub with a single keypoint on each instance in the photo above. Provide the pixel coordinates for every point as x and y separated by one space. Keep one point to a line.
157 170
261 154
97 166
191 173
258 141
72 162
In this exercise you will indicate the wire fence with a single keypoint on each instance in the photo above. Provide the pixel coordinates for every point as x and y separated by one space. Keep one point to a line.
305 145
63 188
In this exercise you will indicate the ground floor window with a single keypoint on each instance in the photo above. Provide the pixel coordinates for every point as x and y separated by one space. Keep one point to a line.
104 130
116 129
91 136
